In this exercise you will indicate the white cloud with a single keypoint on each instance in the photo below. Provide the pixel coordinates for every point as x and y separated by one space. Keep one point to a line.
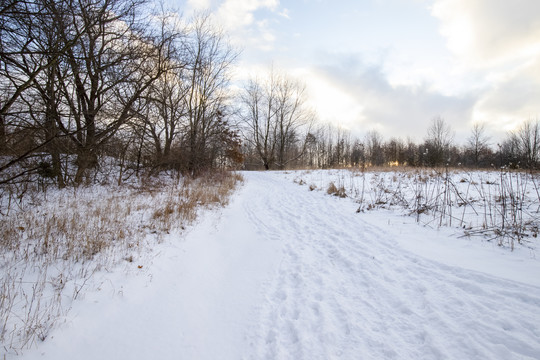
361 98
285 13
490 74
235 14
331 102
245 27
487 32
512 99
199 5
497 46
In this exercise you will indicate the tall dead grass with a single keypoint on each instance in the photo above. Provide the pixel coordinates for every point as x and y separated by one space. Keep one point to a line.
501 206
53 242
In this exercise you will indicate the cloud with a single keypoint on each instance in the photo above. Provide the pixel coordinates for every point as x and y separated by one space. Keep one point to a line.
248 23
497 44
400 111
235 14
487 32
491 73
285 13
512 99
331 102
199 5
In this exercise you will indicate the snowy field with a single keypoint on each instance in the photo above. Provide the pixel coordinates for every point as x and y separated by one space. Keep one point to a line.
500 206
389 270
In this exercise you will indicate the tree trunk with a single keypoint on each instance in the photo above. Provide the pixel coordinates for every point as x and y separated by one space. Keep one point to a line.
3 139
86 159
52 118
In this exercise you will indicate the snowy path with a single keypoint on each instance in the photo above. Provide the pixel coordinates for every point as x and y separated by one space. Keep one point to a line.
290 274
344 289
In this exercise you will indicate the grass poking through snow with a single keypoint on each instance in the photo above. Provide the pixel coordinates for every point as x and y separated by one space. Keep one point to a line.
54 242
501 206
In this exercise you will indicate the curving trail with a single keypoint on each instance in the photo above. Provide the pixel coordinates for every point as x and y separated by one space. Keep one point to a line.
285 273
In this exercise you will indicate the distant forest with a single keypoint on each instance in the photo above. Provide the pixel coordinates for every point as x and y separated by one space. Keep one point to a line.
327 146
88 80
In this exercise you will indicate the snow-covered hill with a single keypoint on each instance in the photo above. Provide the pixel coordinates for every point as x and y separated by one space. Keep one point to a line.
287 273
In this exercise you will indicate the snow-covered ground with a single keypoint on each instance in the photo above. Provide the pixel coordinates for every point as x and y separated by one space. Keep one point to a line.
288 273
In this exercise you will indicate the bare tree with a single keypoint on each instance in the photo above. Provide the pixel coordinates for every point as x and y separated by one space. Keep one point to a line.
374 147
293 120
31 52
394 151
259 112
164 101
165 114
478 142
114 60
207 100
29 46
20 59
85 70
358 155
438 142
529 142
276 118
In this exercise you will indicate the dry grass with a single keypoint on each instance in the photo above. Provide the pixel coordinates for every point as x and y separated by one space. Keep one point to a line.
501 206
336 191
52 244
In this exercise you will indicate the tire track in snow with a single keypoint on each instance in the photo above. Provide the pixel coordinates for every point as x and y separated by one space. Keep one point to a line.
344 289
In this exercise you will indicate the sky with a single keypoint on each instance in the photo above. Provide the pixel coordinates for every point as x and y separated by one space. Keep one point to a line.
394 65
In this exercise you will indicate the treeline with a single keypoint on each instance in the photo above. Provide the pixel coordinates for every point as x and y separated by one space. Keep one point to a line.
82 80
328 146
280 131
